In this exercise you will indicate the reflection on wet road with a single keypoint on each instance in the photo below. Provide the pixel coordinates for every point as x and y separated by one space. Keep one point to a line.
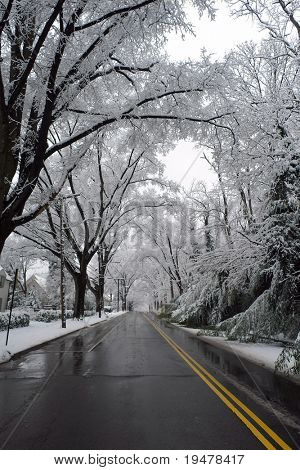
274 388
120 385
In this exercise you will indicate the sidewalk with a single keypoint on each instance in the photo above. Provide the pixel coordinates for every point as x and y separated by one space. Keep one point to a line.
21 339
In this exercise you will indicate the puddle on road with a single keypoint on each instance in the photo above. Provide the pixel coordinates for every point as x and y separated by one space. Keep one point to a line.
33 366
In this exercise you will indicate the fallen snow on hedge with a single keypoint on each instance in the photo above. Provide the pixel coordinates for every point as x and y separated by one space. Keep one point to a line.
37 333
18 320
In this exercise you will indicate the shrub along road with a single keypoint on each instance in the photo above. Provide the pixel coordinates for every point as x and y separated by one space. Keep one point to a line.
132 383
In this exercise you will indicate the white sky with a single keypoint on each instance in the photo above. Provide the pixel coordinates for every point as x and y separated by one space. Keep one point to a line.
217 37
185 165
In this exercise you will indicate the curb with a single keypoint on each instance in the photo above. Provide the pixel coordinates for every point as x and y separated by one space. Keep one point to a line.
37 346
228 348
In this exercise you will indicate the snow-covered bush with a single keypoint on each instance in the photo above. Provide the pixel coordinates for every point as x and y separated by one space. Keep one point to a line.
288 361
227 282
167 309
48 316
17 320
197 303
251 288
260 320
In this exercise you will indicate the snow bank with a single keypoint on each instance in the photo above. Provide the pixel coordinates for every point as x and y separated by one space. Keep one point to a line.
37 333
260 353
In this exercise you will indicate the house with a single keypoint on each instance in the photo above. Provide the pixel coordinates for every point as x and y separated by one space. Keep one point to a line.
36 286
5 281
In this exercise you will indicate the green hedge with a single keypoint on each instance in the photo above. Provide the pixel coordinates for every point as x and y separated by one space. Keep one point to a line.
17 321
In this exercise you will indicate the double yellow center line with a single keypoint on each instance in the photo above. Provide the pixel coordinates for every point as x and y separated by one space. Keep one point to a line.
269 439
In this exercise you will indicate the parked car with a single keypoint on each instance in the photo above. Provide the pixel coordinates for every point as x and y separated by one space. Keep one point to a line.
108 309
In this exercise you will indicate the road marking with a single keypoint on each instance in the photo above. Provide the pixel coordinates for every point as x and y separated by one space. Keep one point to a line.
250 413
103 337
212 382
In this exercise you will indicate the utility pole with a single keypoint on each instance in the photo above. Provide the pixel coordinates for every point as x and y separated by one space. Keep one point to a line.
11 305
62 266
123 293
100 281
126 293
118 295
118 279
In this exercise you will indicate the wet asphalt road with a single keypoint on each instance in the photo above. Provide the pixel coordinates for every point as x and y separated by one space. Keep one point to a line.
121 385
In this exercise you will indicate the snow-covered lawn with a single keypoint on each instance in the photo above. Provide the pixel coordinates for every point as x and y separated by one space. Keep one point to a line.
260 353
37 333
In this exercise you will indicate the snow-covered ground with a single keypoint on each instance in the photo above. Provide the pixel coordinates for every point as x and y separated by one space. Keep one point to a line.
260 353
37 333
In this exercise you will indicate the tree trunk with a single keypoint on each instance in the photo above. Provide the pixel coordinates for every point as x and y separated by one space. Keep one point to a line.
227 228
99 297
2 241
207 234
8 165
171 290
5 232
179 286
80 289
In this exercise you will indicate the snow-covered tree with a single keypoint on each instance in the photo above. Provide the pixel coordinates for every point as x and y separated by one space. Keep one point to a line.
256 274
72 68
98 201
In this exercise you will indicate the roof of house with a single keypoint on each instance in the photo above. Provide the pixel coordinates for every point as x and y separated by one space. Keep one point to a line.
37 280
3 272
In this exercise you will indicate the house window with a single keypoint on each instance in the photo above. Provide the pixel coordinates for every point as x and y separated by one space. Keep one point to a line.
2 280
